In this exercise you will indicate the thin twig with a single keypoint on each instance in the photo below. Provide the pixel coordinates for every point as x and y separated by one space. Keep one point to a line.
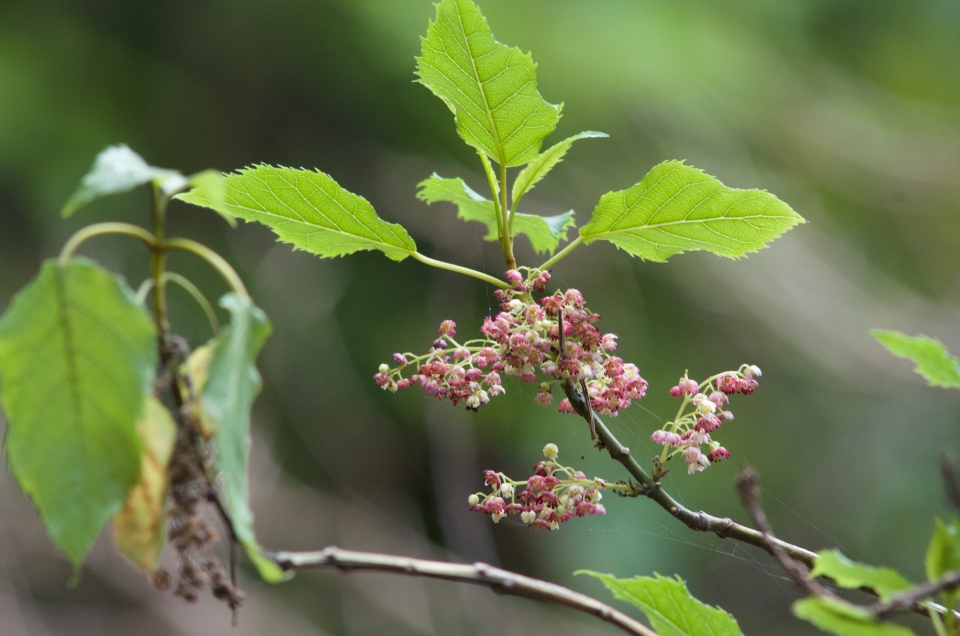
747 486
912 597
700 521
948 466
500 581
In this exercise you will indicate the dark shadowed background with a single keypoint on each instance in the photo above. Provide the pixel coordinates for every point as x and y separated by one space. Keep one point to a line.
847 110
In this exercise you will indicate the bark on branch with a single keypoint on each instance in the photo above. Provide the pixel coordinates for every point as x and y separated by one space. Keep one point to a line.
498 580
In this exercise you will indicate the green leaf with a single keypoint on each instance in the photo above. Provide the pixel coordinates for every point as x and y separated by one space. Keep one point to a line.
212 187
232 384
544 232
678 208
933 360
943 553
308 209
117 169
669 606
844 619
544 163
491 88
77 358
850 574
140 526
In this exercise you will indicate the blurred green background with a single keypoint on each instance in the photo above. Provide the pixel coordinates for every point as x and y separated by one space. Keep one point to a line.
848 110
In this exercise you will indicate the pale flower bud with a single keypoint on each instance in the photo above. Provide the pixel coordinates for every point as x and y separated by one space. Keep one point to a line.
528 516
473 500
507 489
384 368
550 451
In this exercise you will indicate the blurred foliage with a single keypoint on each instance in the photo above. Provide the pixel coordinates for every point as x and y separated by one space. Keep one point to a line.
849 111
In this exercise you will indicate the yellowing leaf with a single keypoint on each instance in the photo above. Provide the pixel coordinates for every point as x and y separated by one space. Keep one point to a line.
196 369
140 525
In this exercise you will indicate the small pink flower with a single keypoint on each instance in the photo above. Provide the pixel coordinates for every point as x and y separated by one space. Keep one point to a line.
544 398
513 277
448 328
718 454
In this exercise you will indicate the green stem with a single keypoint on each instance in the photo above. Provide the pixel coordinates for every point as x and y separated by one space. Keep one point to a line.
218 262
158 262
562 253
460 270
198 296
99 229
494 192
507 220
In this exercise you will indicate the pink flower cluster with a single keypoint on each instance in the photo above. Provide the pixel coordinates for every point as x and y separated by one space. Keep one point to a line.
546 501
520 341
700 415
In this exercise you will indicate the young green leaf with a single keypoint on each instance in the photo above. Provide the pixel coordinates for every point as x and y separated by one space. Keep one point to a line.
544 232
943 553
77 358
678 208
933 360
117 169
308 209
491 88
232 384
669 606
844 619
850 574
140 526
211 187
544 163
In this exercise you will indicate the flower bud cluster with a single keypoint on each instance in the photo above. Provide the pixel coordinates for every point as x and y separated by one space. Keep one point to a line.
702 413
554 494
521 341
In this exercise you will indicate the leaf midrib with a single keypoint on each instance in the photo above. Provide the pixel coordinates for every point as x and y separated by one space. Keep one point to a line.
318 228
483 93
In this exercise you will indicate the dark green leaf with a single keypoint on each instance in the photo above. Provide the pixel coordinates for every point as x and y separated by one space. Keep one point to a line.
544 232
77 358
850 574
933 360
491 88
677 208
117 169
308 209
844 619
943 553
669 606
233 382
